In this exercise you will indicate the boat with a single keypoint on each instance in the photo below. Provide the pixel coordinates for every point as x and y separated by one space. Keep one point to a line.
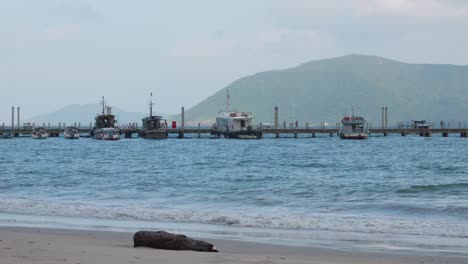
354 127
105 126
6 136
39 133
71 133
235 124
154 127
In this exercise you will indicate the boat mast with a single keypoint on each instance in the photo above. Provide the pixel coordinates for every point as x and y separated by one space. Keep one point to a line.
103 106
151 105
227 100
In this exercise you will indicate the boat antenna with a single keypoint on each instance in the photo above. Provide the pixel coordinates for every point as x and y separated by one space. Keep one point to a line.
228 97
103 105
151 105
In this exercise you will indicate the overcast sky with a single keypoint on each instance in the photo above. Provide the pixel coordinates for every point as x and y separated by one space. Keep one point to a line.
59 52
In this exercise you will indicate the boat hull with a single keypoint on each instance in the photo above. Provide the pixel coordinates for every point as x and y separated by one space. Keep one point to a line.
41 136
242 135
148 134
106 135
6 136
71 136
357 136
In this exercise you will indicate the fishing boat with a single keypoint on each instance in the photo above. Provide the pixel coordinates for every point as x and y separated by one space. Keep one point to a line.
235 124
71 133
105 126
39 133
354 127
154 127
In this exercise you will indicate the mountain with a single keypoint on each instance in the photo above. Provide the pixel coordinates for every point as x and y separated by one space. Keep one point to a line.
325 90
85 114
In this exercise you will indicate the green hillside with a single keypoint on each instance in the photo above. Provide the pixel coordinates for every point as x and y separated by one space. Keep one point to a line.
324 90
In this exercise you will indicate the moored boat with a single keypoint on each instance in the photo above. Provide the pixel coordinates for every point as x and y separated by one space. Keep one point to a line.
71 133
39 133
154 127
235 124
105 126
353 127
6 135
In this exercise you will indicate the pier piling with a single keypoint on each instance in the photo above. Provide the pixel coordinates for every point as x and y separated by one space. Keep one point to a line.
199 133
12 119
276 122
18 118
181 131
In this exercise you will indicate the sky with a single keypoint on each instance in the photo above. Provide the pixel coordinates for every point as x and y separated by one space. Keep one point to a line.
59 52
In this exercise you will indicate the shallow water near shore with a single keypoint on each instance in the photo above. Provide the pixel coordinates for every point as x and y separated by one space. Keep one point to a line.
391 193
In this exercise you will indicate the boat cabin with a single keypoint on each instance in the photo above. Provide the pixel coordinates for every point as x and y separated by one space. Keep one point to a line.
105 121
354 124
154 122
234 121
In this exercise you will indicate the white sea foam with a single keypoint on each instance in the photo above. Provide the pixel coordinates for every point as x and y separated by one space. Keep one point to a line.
239 218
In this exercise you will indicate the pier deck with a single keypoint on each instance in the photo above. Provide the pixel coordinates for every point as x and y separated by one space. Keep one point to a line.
128 132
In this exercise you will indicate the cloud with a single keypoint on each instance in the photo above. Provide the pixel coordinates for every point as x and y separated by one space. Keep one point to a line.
202 48
413 8
425 9
61 32
289 39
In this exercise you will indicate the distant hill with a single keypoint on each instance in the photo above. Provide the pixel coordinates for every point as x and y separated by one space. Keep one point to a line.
85 114
324 90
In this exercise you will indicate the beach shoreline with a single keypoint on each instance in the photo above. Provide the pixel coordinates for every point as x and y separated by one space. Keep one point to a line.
45 245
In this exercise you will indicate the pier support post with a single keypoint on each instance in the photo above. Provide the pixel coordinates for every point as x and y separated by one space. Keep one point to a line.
403 134
313 135
18 118
383 118
331 134
12 119
276 122
199 133
60 126
445 134
181 131
386 117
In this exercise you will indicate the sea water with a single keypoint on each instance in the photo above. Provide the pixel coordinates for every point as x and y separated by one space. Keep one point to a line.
403 193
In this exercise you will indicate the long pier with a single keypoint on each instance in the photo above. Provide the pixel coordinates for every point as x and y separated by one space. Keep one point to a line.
280 132
277 129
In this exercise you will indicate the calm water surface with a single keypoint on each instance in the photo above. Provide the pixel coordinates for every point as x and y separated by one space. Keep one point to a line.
404 193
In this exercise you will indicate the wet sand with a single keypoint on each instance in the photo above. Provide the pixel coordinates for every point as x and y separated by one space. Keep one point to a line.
38 245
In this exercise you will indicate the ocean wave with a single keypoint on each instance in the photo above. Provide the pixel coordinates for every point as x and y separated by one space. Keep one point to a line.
434 188
256 219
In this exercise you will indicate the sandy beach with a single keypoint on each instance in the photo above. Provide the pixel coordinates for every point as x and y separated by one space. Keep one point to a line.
20 245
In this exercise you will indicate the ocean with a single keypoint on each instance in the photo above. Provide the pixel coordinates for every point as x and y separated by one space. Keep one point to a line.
385 193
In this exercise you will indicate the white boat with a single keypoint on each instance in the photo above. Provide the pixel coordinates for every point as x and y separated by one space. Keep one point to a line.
39 133
235 124
354 127
108 134
71 133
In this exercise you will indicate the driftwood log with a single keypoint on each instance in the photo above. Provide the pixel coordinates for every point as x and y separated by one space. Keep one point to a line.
165 240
